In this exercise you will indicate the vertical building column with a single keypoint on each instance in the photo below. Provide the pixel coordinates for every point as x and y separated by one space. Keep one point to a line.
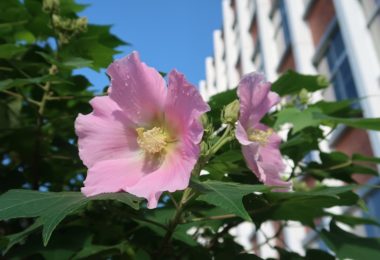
246 43
229 43
203 89
266 35
363 60
301 39
220 64
210 76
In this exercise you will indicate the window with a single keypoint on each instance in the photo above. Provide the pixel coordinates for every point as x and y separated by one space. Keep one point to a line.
281 27
257 57
284 22
339 68
372 12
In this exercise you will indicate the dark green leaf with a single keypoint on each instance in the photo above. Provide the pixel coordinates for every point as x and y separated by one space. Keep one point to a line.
228 196
348 245
51 207
9 50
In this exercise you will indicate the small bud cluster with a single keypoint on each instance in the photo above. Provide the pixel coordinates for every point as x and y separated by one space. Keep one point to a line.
66 28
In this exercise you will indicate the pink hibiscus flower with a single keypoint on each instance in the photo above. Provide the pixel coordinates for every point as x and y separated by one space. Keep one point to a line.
260 145
143 138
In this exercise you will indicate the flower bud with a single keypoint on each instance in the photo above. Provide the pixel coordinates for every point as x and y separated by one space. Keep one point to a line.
230 113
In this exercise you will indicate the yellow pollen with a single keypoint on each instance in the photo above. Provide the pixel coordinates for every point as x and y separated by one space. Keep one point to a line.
260 136
153 140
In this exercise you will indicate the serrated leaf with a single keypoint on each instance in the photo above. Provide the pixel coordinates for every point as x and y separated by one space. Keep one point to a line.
228 195
52 207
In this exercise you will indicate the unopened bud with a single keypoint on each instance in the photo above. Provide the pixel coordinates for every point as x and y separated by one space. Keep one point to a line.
230 114
204 120
204 147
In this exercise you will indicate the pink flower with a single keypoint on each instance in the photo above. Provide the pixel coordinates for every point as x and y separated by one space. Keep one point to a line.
143 138
260 145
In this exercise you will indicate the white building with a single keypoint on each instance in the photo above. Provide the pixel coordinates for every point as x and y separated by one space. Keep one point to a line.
337 38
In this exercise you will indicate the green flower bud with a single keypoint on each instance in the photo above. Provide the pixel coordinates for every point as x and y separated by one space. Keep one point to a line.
204 120
230 114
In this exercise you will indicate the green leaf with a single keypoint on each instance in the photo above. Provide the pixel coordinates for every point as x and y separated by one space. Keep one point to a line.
300 119
67 62
337 165
91 250
76 62
363 158
228 195
353 221
26 36
163 216
311 254
20 236
7 51
364 123
9 83
348 245
309 204
292 82
52 207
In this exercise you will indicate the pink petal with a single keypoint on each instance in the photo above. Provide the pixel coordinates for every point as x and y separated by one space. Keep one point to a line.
139 90
184 105
241 135
255 99
113 175
173 175
266 161
105 133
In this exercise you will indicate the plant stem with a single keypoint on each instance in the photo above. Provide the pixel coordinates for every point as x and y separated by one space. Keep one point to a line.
225 138
187 195
39 135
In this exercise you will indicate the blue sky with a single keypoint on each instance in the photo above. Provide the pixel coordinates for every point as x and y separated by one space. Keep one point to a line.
167 33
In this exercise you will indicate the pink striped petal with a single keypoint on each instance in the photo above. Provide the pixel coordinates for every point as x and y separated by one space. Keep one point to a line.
139 90
104 134
255 98
184 106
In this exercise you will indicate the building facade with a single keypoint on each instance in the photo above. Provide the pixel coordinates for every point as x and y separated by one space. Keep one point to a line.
336 38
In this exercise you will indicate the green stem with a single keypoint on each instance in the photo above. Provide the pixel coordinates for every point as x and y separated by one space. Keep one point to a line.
225 138
187 195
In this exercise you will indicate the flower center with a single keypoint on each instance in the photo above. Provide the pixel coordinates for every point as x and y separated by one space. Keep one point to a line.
153 140
260 136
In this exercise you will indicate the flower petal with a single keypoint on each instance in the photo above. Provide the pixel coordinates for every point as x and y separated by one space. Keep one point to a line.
139 90
113 175
173 175
255 99
184 105
266 161
241 135
105 133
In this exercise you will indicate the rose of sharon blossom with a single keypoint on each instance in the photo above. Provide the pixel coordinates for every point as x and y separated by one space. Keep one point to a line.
143 138
260 145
